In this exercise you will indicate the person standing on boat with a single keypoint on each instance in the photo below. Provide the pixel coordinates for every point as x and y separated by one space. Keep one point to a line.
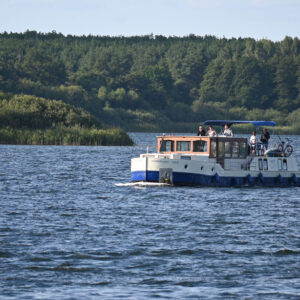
211 132
265 138
201 131
253 141
227 131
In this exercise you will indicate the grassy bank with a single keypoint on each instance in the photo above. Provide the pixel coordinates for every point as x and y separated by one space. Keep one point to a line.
65 136
29 120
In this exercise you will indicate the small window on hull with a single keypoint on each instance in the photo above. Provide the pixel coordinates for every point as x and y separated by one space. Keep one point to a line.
284 164
265 164
279 164
260 164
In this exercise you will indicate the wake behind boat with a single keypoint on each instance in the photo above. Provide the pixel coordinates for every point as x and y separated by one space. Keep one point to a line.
217 161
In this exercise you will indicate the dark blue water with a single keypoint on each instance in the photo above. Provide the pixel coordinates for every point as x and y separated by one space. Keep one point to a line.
70 228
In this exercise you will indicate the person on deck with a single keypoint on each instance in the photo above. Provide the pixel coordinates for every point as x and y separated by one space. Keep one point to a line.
227 131
211 132
265 138
201 131
253 141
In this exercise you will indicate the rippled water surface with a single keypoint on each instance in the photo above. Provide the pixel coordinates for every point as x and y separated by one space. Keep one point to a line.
73 227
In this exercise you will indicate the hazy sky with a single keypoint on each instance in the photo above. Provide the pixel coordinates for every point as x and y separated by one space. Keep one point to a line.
271 19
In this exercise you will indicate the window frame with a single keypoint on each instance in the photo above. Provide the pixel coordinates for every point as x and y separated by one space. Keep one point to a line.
205 146
237 148
187 142
242 155
221 149
166 150
228 154
217 144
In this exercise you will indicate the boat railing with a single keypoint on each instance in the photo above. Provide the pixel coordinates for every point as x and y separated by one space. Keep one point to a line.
257 149
246 165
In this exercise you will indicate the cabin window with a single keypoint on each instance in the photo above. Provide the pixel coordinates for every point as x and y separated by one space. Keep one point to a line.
221 149
279 164
183 146
167 146
265 164
260 164
235 149
284 164
243 148
227 149
200 146
213 149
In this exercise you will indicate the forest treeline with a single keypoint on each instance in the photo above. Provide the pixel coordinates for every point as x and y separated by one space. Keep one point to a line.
156 82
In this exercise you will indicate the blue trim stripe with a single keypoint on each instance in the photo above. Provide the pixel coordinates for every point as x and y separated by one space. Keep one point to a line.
216 180
145 176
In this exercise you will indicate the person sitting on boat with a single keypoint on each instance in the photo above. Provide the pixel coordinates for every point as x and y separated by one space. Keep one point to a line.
211 132
265 138
201 131
227 131
253 141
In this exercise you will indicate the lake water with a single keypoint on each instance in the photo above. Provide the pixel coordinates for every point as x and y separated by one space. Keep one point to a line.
73 227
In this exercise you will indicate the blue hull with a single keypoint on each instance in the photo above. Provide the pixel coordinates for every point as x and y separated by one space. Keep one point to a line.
198 179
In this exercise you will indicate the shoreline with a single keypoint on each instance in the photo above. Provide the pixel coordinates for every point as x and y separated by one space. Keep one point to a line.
65 136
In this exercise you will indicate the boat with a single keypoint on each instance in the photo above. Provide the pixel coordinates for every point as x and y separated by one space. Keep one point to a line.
218 161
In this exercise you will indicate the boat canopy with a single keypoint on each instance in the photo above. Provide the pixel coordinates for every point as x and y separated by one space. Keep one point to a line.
231 122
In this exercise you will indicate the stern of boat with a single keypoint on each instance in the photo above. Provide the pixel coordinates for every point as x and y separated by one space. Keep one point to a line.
140 169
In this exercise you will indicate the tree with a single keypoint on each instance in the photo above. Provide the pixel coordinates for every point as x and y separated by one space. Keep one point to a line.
39 66
286 80
252 83
102 93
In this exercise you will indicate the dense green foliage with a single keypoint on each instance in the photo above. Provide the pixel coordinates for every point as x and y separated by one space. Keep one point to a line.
30 120
155 82
25 111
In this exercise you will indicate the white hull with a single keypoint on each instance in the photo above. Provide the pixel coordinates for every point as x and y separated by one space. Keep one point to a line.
202 170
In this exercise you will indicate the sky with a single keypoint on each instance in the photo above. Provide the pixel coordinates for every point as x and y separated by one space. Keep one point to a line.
259 19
